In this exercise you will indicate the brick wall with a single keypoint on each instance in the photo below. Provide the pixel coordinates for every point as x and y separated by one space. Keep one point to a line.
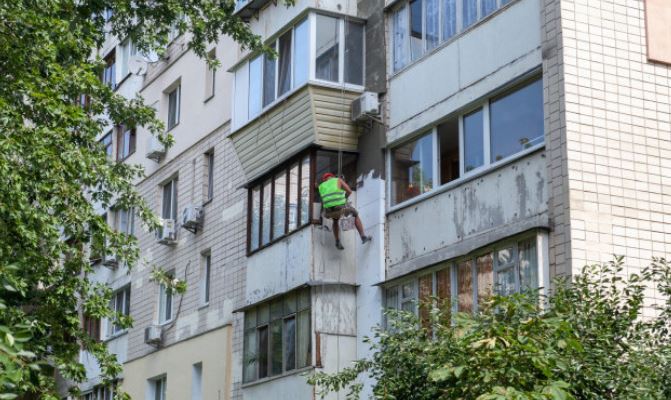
222 235
618 135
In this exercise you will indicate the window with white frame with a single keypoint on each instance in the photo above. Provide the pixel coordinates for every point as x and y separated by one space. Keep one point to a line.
125 221
504 268
419 26
120 304
127 49
504 125
165 302
338 48
277 336
206 278
158 388
169 204
174 106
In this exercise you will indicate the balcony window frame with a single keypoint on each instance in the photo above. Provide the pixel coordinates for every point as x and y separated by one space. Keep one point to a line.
252 326
108 75
464 175
443 39
174 211
166 300
285 166
394 290
241 80
108 142
173 121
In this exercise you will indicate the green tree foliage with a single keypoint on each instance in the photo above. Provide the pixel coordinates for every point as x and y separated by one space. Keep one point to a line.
52 171
592 339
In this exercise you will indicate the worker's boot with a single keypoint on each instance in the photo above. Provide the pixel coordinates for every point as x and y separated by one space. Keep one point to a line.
366 239
339 245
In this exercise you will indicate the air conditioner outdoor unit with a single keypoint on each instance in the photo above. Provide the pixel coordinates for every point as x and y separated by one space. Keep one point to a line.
192 218
153 335
110 261
167 233
365 106
155 149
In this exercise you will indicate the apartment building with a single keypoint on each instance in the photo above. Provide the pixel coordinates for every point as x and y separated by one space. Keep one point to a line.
516 141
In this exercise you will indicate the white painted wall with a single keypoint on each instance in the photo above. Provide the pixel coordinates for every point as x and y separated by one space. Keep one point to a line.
495 51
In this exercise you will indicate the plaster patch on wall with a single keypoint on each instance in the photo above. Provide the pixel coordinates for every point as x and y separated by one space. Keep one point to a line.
232 212
186 325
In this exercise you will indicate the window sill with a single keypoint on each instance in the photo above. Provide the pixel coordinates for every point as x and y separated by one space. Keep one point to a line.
172 127
208 98
164 323
206 202
445 43
120 160
273 241
204 306
124 79
273 378
470 176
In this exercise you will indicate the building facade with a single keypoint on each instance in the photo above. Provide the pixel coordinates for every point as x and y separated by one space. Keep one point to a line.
516 141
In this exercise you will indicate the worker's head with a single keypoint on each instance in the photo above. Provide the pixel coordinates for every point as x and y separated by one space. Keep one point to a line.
327 176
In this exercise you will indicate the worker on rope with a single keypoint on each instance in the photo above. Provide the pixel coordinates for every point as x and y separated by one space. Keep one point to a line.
334 192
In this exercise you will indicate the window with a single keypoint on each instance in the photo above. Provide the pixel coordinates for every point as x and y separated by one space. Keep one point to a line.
473 140
120 304
277 336
255 86
354 53
173 107
126 139
107 143
209 175
197 381
125 221
127 50
510 123
109 70
417 26
412 169
328 47
206 278
301 51
169 210
516 121
210 75
280 203
506 268
268 79
158 388
91 327
338 46
165 302
284 63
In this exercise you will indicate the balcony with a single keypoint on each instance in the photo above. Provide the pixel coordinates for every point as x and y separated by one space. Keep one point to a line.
470 213
313 115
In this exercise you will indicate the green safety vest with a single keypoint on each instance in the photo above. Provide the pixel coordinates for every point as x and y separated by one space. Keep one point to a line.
331 194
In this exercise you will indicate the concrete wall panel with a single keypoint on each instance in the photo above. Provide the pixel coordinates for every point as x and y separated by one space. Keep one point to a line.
514 195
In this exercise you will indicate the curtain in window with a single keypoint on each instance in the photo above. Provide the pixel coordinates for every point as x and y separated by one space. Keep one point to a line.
449 15
400 38
432 23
